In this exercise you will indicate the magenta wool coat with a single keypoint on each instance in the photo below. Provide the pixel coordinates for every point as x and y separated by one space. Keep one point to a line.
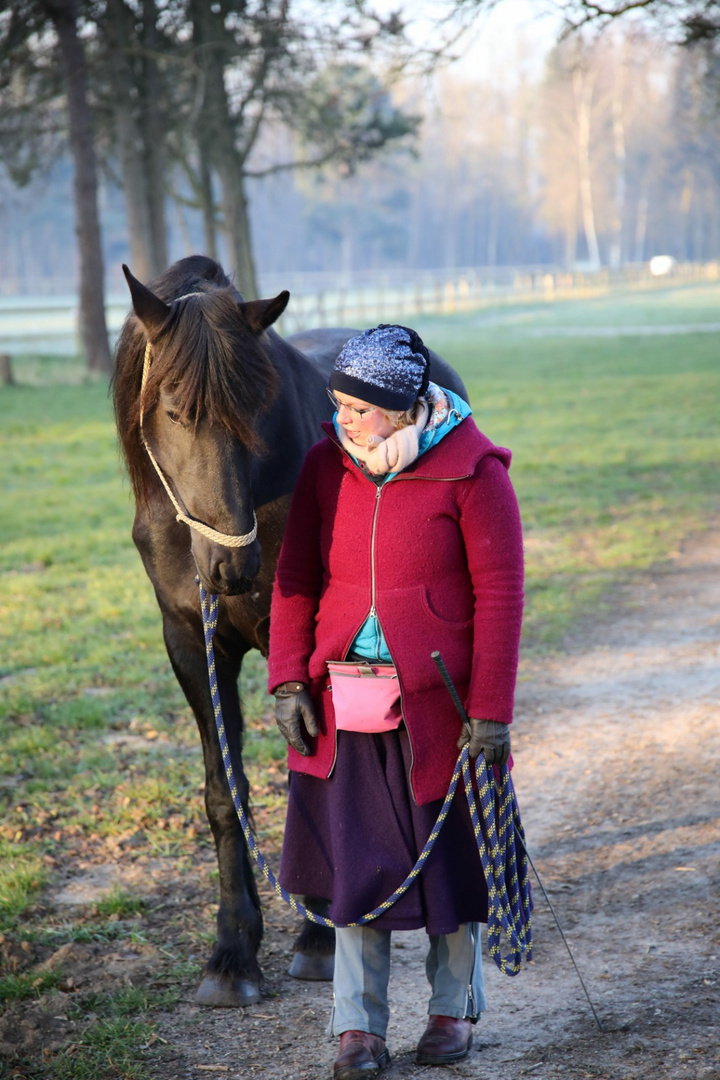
437 550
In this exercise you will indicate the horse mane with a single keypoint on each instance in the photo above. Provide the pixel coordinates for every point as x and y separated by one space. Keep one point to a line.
205 354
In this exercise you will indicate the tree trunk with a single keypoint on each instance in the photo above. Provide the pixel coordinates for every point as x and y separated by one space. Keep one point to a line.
686 201
216 136
616 249
138 220
154 141
129 140
6 371
570 242
491 251
93 328
237 226
641 228
207 199
582 87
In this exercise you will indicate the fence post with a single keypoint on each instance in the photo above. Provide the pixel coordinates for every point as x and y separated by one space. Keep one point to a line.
6 372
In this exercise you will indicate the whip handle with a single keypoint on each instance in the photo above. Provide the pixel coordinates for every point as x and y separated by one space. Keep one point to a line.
445 675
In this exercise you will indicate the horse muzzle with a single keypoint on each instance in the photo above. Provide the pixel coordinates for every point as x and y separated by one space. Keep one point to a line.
226 571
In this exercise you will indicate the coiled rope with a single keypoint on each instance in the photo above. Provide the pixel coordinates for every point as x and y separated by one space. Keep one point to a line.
509 926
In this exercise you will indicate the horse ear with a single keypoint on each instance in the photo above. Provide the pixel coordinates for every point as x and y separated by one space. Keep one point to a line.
263 313
149 308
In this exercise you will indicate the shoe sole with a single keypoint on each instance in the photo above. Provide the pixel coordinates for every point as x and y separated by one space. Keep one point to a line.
443 1059
361 1072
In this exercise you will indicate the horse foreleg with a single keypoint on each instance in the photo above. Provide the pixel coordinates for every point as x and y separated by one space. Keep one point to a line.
232 975
314 947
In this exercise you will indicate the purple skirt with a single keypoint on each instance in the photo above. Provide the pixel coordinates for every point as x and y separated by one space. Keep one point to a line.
354 838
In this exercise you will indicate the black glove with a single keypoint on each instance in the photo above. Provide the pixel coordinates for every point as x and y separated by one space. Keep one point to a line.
293 705
490 736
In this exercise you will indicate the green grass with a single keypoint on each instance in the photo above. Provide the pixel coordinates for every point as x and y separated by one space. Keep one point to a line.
115 1044
120 904
21 878
28 985
108 1048
615 447
615 440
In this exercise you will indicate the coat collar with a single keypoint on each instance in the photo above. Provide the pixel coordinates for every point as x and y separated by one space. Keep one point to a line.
454 458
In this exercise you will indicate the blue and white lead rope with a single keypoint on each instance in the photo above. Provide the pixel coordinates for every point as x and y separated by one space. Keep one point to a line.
509 926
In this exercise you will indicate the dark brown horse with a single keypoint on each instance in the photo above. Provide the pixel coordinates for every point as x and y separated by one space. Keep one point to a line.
227 409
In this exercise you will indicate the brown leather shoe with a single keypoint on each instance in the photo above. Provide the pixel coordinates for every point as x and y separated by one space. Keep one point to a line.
361 1055
445 1040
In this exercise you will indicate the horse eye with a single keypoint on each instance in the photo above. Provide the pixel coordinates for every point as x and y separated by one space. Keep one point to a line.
173 417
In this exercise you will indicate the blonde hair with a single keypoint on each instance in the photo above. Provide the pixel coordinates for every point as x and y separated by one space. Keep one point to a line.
406 417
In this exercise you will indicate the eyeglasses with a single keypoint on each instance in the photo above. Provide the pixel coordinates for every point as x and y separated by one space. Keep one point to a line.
360 413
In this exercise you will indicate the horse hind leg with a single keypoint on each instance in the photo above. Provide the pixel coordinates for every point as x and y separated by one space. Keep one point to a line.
314 948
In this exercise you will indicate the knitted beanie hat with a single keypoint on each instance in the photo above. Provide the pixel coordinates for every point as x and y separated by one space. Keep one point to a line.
387 366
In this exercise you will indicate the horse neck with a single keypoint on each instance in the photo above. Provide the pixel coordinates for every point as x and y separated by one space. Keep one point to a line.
301 401
292 424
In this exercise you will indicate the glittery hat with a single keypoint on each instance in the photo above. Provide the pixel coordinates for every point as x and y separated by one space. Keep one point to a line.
387 366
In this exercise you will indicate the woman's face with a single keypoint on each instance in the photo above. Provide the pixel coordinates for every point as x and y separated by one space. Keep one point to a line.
359 425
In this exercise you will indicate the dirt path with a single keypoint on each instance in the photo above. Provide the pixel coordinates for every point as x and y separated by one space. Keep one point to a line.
617 747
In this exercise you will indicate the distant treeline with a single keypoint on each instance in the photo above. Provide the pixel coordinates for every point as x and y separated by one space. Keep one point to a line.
611 156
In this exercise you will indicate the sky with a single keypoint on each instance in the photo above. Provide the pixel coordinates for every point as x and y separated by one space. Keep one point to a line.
513 29
511 32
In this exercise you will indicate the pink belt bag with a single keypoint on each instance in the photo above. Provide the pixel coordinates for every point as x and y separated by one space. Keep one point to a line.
366 697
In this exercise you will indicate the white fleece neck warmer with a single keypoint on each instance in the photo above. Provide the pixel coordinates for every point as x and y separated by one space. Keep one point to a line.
394 453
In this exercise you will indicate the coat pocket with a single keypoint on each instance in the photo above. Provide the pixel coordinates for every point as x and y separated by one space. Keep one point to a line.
441 609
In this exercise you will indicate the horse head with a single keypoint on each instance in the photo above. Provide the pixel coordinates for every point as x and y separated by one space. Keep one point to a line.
207 378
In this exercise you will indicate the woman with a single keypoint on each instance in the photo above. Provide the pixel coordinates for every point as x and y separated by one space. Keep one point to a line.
403 537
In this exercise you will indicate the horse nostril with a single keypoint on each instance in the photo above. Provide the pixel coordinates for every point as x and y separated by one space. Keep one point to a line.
221 569
233 571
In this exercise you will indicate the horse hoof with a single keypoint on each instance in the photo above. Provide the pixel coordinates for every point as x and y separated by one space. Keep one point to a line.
224 992
315 968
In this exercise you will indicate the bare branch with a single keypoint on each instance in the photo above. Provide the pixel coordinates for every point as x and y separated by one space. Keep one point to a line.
289 166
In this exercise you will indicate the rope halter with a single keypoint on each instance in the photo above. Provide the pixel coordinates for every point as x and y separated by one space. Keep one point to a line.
216 537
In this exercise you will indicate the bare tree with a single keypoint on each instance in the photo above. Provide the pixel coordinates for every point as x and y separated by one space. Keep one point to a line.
266 66
63 15
583 84
130 148
41 100
682 22
221 74
194 86
615 257
130 97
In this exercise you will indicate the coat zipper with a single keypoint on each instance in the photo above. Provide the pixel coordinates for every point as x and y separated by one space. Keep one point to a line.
372 613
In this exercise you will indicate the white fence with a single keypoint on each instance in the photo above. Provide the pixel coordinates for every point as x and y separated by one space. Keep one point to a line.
321 301
48 324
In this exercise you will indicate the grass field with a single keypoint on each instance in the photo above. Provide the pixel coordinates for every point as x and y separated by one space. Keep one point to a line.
615 439
616 446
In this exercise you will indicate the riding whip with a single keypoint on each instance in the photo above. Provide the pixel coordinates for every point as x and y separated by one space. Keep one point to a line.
450 686
509 932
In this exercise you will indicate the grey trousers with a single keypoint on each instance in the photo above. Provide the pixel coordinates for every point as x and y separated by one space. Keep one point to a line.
362 969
